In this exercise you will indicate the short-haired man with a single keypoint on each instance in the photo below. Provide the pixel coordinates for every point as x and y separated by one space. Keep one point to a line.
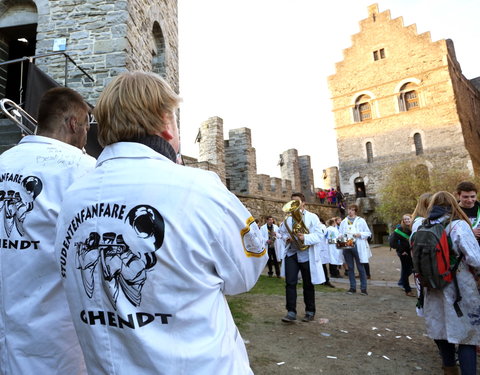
275 248
148 248
355 227
467 196
36 331
307 261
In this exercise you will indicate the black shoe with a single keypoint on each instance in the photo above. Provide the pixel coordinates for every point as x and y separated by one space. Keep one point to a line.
290 317
308 317
351 291
364 292
329 284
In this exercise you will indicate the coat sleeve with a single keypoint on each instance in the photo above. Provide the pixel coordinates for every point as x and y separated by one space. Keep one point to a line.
317 230
464 240
238 248
363 229
342 228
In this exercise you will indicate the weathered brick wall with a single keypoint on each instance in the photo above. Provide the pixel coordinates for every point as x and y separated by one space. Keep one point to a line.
106 37
467 100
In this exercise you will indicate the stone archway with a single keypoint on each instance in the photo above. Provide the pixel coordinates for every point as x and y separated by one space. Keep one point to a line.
18 38
158 52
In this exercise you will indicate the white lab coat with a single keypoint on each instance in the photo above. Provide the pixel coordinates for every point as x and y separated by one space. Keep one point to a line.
36 331
314 238
151 249
441 320
324 251
279 244
359 226
336 255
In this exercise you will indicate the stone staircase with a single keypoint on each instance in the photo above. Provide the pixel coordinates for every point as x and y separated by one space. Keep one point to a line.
10 134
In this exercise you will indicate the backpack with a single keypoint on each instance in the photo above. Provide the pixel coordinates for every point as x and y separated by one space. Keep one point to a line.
433 261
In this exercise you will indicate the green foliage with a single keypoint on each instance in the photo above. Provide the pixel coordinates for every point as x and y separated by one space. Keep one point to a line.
406 182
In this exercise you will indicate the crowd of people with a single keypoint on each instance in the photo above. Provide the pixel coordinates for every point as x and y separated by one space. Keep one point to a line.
316 252
103 262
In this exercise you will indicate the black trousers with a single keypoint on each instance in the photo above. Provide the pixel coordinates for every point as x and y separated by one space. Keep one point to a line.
325 271
292 266
272 262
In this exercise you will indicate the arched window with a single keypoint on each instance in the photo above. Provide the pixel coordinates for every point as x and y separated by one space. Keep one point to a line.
158 52
360 191
368 147
362 110
408 97
417 140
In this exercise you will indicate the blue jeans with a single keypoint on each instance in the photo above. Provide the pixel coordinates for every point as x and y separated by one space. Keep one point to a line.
291 279
467 356
350 255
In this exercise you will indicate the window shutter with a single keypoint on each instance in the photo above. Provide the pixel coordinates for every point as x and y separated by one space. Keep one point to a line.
401 102
356 114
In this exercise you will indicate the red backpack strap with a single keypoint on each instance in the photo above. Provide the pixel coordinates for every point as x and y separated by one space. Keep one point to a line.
443 257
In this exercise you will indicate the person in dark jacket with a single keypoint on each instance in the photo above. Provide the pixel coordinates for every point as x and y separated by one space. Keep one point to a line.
399 240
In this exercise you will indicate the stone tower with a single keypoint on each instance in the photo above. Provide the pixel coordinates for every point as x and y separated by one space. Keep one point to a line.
240 162
290 169
104 37
211 145
397 96
306 177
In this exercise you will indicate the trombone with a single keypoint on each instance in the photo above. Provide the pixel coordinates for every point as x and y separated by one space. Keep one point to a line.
18 115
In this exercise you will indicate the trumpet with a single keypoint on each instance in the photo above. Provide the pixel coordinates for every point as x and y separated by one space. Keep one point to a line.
292 209
18 115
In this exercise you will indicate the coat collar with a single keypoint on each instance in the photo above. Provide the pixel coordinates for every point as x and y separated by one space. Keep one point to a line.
47 140
128 150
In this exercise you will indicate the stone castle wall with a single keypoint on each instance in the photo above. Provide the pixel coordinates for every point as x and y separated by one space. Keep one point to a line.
106 37
235 159
260 207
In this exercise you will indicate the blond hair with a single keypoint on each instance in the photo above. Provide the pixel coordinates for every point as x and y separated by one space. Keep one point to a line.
133 105
402 223
422 205
445 199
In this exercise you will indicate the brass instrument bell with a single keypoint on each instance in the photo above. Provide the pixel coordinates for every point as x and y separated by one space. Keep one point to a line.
292 209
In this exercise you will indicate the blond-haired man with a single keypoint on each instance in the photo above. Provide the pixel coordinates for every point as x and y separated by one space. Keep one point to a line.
148 248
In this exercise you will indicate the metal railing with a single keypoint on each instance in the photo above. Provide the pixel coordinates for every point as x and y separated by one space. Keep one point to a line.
32 59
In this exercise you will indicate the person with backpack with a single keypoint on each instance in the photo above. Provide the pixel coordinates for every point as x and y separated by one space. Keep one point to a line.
421 210
451 308
400 241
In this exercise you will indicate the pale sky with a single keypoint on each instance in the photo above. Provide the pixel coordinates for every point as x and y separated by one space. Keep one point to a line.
263 64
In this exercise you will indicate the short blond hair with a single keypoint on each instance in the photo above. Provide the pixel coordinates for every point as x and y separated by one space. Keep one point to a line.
132 105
